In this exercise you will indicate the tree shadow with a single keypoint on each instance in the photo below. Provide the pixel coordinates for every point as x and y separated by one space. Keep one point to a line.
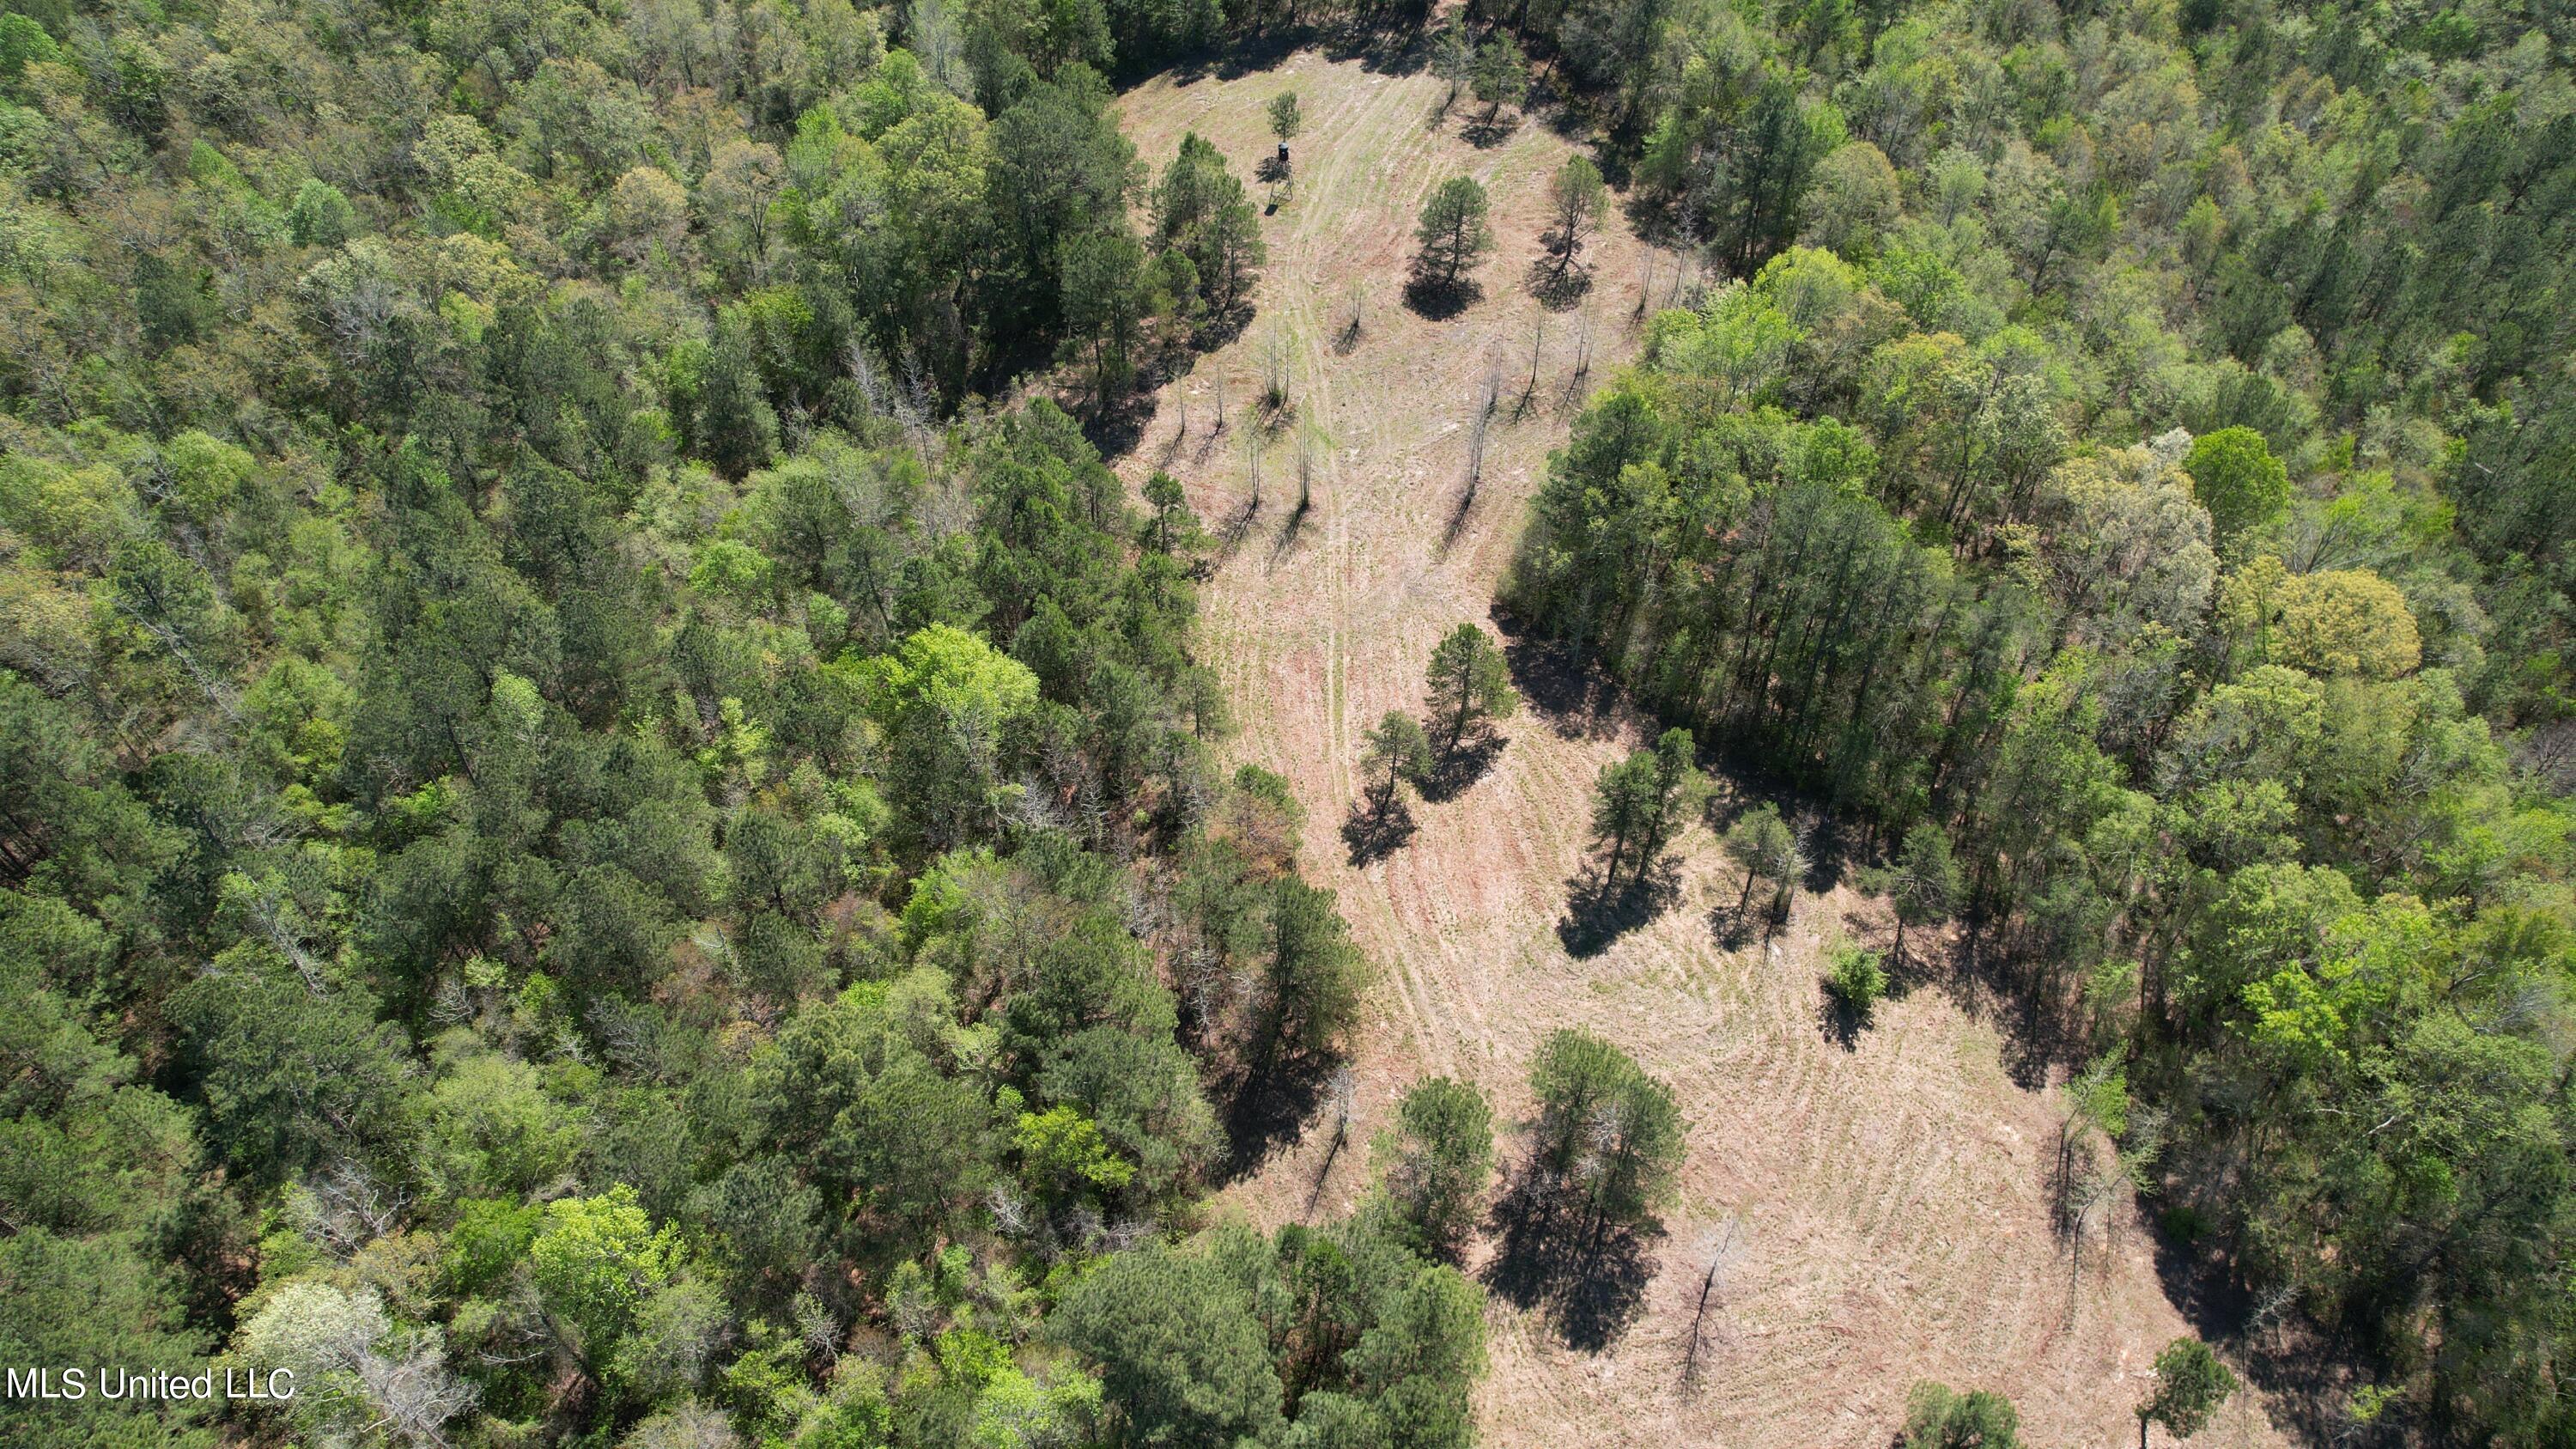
1733 926
1230 537
1270 170
1387 45
1288 535
1457 523
1571 393
1832 845
1220 327
1588 1286
1737 920
1908 970
1117 426
1561 686
1267 1109
2039 1017
1558 284
2305 1370
1572 123
1458 769
1247 53
1841 1022
1654 215
1488 131
1438 301
1373 835
1596 915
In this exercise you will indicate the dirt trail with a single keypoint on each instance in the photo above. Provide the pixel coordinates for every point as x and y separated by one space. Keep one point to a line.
1887 1202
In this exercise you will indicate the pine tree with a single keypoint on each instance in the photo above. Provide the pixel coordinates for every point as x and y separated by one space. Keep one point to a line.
1502 74
1623 804
2190 1385
1453 234
1576 197
1453 56
1437 1160
1607 1134
1679 791
1470 683
1925 883
1398 751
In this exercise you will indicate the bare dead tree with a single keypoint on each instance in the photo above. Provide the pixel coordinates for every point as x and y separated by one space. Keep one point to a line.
817 1326
1252 460
2081 1200
1483 422
906 402
282 923
1722 1249
1583 327
1686 259
452 1006
1476 449
344 1208
1305 469
1205 985
2272 1310
1010 1210
413 1392
218 690
1341 1102
1538 341
1274 372
519 1333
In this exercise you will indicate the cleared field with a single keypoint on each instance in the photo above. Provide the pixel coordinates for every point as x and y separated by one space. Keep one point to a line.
1886 1204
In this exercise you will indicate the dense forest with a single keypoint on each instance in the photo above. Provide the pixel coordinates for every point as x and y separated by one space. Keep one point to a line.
2123 470
592 848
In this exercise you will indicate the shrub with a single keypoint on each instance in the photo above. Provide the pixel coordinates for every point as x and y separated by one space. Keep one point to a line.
1854 977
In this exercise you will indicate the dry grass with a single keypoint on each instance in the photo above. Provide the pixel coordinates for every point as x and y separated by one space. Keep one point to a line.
1888 1202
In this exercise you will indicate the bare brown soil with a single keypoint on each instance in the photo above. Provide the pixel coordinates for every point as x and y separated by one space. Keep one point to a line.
1886 1204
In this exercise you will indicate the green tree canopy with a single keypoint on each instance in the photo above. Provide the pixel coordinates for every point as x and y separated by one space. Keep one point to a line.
1182 1358
1436 1161
1470 683
2190 1385
1607 1133
2235 477
1453 234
